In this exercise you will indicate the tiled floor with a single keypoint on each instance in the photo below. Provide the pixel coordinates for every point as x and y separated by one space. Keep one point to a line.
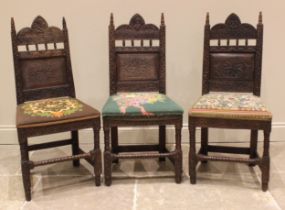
140 185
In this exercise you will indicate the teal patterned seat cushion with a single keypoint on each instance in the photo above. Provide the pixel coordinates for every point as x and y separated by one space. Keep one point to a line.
140 104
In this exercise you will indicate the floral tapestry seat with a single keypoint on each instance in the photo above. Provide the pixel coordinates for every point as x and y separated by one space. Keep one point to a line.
228 105
53 111
140 104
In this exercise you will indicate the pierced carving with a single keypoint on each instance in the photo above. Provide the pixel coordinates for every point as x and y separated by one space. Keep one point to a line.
137 29
233 28
40 32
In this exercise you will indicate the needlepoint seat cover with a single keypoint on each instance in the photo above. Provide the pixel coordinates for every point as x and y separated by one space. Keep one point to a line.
230 105
140 104
53 111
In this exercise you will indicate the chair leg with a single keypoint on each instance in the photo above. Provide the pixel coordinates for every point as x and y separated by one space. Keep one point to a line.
25 165
162 138
178 158
204 142
97 157
265 167
114 141
192 155
107 157
75 147
253 145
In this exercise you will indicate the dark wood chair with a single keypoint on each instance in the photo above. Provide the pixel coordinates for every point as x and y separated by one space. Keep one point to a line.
231 90
46 97
137 89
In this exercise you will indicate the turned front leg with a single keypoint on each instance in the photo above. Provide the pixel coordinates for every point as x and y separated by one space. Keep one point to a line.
265 167
25 166
178 160
75 147
192 154
107 157
97 156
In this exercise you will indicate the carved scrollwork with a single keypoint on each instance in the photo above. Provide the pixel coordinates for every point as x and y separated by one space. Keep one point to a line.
137 28
233 28
137 22
40 32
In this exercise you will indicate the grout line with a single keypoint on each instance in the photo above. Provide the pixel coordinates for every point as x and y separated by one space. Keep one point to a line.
274 201
23 206
135 195
269 193
36 184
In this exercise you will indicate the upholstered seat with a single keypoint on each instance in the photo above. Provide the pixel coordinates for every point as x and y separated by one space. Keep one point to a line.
140 104
230 105
53 111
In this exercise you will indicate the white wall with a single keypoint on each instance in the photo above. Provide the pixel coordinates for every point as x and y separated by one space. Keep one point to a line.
88 21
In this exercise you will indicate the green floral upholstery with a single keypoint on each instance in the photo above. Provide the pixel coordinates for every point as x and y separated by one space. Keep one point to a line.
53 110
230 105
140 104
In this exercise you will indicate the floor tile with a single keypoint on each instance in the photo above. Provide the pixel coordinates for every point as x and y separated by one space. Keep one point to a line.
163 194
9 159
140 184
79 192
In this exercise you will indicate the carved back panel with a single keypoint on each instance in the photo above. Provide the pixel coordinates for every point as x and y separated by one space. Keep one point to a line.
232 56
41 61
137 56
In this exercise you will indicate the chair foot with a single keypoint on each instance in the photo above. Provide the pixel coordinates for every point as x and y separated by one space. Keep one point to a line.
193 180
108 181
204 161
192 168
26 181
161 159
97 181
178 167
116 161
264 187
76 163
178 179
108 168
28 195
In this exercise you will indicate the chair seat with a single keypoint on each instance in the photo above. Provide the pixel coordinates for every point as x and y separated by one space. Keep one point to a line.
140 104
53 111
229 105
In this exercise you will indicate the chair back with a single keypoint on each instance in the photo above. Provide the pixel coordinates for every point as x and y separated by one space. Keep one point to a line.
232 56
137 56
41 61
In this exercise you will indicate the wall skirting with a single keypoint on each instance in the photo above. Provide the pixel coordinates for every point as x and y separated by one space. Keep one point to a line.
133 135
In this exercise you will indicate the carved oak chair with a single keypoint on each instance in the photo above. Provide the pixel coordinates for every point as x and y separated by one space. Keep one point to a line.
46 97
231 94
137 94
